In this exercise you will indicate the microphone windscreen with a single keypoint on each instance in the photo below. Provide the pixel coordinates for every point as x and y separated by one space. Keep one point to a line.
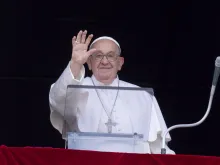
217 62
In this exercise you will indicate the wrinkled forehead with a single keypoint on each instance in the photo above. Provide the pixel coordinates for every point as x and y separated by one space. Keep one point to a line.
106 46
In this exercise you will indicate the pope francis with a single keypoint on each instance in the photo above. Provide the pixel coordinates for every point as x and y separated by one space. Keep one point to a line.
102 110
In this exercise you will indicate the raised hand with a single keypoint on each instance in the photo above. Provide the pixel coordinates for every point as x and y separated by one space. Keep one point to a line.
80 46
80 54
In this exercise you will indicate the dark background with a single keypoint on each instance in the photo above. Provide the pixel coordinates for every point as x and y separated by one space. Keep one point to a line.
170 46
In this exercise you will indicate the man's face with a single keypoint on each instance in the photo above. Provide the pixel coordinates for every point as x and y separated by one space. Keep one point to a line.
106 62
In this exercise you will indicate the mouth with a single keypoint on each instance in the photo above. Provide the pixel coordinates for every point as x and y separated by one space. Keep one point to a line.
105 68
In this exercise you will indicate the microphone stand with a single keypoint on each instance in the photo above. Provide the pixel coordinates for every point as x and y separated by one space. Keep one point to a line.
216 74
163 150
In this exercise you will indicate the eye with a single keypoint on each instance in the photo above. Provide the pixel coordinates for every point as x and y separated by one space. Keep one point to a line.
98 56
111 55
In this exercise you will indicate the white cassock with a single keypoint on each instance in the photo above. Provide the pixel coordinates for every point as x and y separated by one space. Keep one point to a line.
91 117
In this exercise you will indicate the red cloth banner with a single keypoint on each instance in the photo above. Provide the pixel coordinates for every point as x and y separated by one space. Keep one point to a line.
52 156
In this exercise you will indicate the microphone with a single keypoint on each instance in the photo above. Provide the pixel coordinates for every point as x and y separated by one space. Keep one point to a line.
217 71
214 83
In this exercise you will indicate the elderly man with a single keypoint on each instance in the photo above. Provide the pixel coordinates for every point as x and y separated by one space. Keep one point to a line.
102 107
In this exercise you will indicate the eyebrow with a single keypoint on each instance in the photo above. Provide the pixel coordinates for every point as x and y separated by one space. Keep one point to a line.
111 52
99 51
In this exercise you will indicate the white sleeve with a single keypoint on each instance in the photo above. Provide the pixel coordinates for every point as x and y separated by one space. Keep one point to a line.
155 147
157 129
57 95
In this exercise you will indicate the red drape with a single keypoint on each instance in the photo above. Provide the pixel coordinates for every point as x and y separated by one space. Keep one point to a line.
51 156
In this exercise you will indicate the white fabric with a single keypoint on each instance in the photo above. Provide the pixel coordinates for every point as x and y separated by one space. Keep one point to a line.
119 115
107 38
94 121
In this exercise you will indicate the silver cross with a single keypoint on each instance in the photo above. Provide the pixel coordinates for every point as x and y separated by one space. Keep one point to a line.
109 125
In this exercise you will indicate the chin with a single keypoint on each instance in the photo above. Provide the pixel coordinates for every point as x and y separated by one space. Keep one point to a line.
105 73
105 76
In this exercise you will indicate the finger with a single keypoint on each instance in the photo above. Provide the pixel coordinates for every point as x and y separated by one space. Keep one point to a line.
89 38
73 40
79 35
83 39
91 51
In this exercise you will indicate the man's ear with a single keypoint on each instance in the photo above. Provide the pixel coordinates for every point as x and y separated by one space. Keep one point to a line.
89 63
121 63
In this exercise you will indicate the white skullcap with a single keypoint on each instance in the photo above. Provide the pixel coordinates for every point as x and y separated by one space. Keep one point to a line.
105 38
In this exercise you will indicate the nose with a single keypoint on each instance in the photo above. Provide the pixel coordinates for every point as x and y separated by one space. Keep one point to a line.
104 60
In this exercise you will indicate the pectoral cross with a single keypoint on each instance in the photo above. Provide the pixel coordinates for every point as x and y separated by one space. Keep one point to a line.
110 124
